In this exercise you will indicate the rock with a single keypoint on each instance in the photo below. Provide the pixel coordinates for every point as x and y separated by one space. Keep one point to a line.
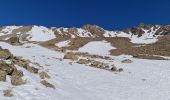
127 61
43 75
94 63
6 67
98 64
5 54
120 69
17 80
114 68
70 55
3 75
18 73
7 93
14 40
32 69
83 61
47 84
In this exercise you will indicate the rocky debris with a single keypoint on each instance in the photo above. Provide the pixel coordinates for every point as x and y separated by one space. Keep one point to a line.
94 30
32 69
21 62
127 61
7 93
83 61
47 84
44 75
71 56
6 67
5 54
98 64
114 68
14 40
25 64
120 69
3 75
18 73
17 80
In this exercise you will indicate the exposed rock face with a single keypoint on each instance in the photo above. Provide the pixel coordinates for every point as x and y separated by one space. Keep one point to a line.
14 40
94 30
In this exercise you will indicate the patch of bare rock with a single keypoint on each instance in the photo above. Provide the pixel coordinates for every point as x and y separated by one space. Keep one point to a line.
8 93
47 84
88 60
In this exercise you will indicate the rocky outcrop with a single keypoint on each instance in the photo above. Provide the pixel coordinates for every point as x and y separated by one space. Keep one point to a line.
47 84
17 80
44 75
127 61
3 75
8 93
14 40
71 56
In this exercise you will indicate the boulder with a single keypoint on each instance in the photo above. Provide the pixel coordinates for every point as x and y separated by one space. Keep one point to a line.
5 54
47 84
127 61
43 75
83 61
18 73
32 69
71 55
6 67
114 68
120 69
3 75
17 80
14 40
7 93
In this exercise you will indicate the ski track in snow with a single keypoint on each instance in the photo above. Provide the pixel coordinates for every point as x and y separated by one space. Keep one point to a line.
141 80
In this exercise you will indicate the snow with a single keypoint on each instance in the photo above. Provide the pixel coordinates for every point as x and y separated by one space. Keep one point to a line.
97 47
8 30
40 33
146 38
140 80
83 33
63 43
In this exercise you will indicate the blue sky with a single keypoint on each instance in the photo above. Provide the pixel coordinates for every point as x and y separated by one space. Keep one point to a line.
109 14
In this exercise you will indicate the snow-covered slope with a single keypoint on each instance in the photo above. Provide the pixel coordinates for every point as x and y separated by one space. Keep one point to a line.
97 48
137 35
40 34
141 80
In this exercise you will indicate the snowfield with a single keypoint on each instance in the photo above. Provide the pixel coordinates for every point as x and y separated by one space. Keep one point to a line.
40 33
97 48
140 80
63 43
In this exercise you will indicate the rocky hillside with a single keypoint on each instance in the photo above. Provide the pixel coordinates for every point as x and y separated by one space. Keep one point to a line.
40 63
142 33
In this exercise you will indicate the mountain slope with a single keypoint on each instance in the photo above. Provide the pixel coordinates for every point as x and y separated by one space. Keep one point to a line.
85 63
